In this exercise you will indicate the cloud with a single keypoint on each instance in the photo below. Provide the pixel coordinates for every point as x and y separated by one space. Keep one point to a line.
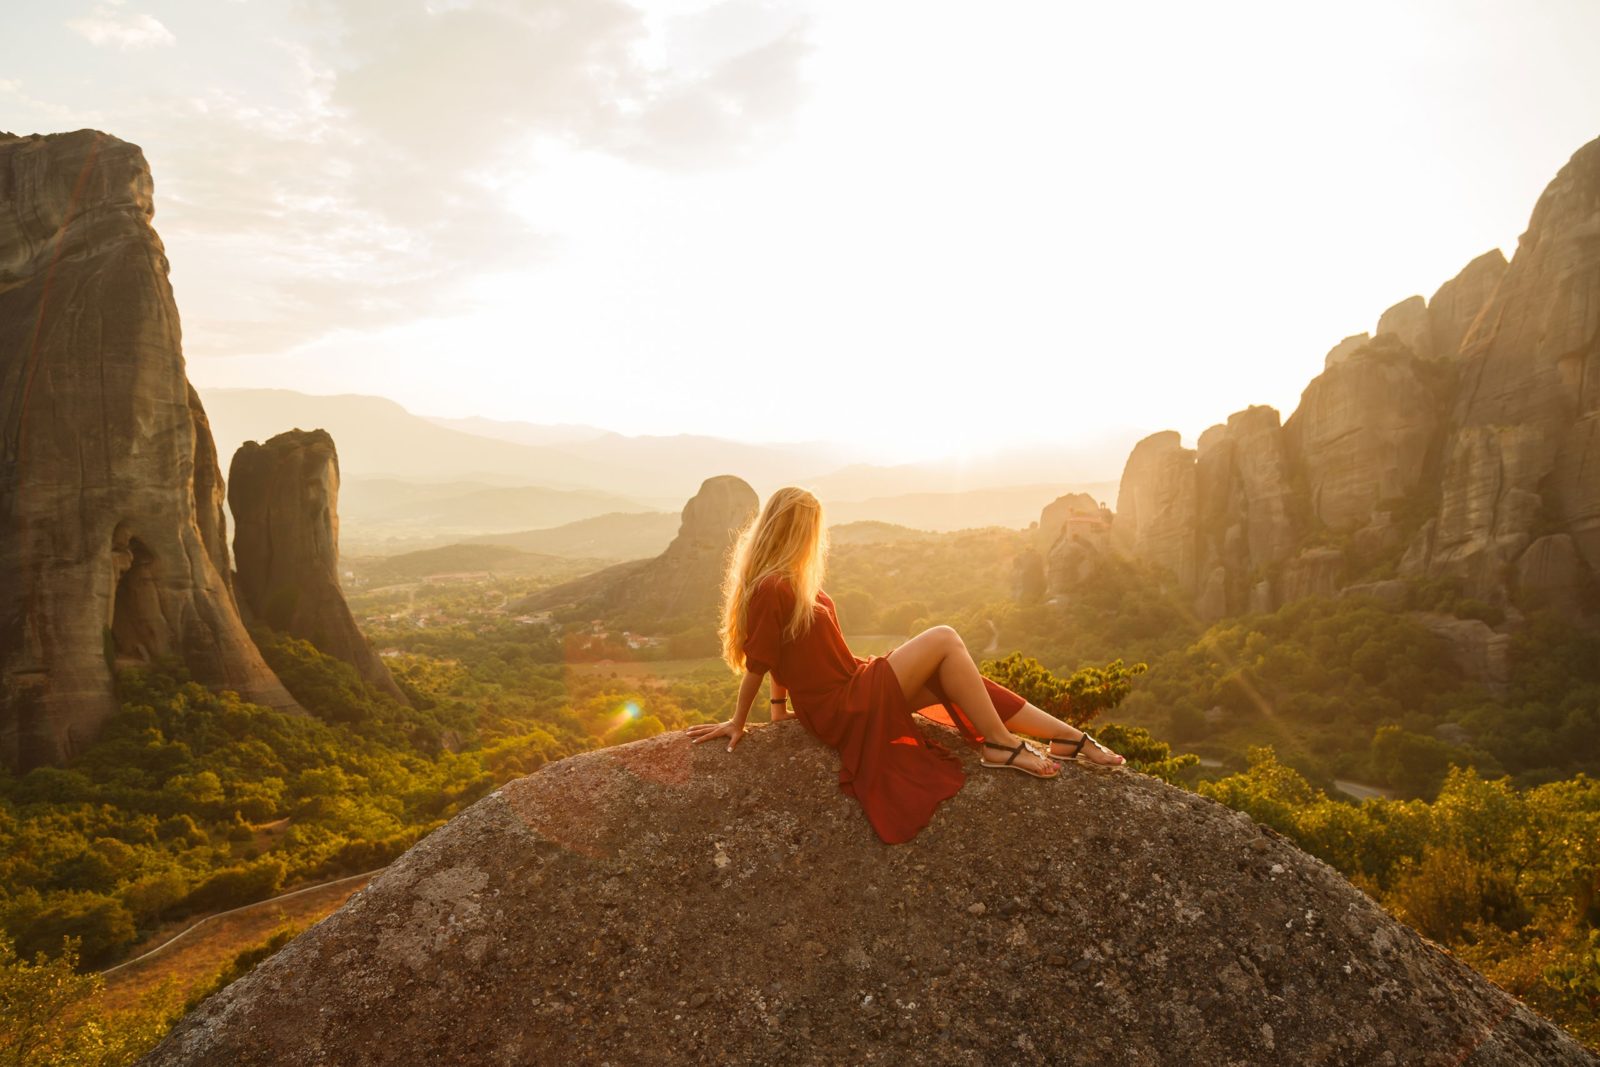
108 24
369 194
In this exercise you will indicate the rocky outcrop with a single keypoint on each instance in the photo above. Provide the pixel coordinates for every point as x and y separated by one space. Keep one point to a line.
1157 508
1248 509
1465 431
1481 653
1455 308
1314 572
1363 431
662 902
1074 535
684 582
1529 392
1408 322
113 542
1345 349
1551 574
284 495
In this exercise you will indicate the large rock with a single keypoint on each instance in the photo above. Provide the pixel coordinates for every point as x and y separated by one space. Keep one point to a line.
1345 349
1481 653
668 903
1362 432
1530 378
112 539
1576 484
1073 537
1455 308
1156 506
1409 323
1551 575
284 495
1247 508
1314 572
685 581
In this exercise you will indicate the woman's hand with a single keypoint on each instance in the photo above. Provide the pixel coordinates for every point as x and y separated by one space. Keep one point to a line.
705 731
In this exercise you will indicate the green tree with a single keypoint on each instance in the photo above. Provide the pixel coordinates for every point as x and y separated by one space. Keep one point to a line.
1078 699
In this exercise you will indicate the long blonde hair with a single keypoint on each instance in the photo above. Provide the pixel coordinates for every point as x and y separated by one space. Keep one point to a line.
788 537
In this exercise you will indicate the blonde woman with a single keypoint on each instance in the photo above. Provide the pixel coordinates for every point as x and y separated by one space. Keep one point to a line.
777 620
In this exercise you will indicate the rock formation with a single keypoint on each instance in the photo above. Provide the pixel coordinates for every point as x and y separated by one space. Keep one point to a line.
1408 323
1462 434
1156 506
1524 451
1345 349
1458 303
1480 653
113 542
1073 535
662 902
1248 511
685 581
1363 431
285 500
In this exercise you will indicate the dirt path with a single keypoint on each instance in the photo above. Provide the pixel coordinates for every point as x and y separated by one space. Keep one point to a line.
195 953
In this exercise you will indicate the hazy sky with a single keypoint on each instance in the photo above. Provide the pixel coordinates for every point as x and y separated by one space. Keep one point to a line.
919 227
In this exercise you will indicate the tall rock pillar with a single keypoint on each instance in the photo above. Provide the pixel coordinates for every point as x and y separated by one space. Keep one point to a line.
112 543
285 500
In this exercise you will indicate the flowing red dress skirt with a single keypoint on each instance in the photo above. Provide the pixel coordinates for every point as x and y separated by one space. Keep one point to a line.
855 706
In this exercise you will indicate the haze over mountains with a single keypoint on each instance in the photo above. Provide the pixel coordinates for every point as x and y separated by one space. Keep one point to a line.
412 481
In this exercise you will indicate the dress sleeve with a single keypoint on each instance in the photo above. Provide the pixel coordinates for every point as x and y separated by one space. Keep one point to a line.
765 636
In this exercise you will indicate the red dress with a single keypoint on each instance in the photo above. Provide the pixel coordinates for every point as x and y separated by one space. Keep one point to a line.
855 706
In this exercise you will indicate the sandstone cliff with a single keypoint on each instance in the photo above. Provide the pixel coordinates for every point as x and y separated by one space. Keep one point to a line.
1461 440
1074 534
1156 506
685 581
667 903
112 538
285 500
1524 455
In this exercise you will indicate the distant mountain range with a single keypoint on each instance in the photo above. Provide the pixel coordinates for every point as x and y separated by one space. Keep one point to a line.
465 508
411 481
611 537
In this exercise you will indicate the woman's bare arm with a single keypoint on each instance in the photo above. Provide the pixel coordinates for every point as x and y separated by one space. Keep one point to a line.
733 729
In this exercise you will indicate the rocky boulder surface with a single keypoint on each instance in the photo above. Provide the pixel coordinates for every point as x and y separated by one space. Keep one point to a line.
113 542
284 495
685 581
667 903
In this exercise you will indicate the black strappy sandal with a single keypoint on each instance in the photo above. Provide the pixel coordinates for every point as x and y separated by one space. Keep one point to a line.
1077 749
1011 762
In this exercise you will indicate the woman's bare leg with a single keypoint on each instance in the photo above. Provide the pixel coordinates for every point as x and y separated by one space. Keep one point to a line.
939 652
1040 723
1035 721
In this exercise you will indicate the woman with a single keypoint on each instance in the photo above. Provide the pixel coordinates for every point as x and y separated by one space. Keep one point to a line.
777 620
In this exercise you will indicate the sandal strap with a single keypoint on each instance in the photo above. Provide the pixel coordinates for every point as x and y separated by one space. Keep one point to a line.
1075 742
1015 752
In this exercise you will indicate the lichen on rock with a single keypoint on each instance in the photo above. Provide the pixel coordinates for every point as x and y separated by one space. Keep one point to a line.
667 903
